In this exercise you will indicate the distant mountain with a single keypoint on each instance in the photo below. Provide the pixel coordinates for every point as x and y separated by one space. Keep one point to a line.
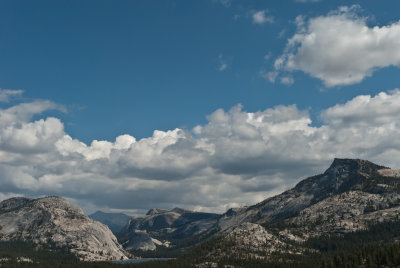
114 221
342 176
55 221
349 197
165 228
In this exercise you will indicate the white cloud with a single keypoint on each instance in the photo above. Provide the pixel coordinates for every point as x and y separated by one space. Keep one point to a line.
365 110
25 111
261 17
32 137
340 48
237 158
6 94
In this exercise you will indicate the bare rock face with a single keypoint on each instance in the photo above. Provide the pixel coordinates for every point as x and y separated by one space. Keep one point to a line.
255 237
250 241
140 240
347 212
54 220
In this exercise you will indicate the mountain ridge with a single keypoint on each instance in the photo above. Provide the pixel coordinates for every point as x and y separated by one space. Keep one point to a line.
348 197
342 175
357 177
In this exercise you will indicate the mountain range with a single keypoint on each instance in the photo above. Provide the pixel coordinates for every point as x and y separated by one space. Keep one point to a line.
349 198
165 228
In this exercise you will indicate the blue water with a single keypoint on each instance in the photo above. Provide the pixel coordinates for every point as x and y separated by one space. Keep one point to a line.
142 260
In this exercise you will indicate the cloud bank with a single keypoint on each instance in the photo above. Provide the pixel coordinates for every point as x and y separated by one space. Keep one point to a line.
340 48
237 158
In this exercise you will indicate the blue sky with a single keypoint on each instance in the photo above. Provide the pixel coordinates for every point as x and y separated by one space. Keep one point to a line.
135 66
102 69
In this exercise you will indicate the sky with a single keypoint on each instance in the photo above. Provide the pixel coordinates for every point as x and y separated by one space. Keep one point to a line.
125 105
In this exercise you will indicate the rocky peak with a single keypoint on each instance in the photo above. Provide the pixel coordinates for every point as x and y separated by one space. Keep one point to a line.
342 176
345 166
58 206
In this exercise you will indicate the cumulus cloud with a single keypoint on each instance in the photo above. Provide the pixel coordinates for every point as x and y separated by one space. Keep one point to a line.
236 158
262 17
340 48
364 110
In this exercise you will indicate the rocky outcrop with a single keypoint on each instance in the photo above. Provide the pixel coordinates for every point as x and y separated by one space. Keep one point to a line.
256 239
54 220
249 241
139 240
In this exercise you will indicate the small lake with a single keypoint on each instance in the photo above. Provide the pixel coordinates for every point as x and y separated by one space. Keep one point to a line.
141 260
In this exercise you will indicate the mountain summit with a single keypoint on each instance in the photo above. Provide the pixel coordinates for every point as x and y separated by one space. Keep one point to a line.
350 196
343 175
